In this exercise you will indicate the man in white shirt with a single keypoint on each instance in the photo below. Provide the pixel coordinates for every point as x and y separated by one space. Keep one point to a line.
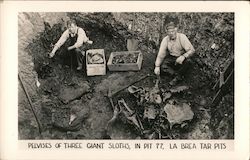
176 49
77 37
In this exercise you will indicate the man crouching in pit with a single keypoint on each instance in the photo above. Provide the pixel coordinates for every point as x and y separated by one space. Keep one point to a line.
77 37
177 50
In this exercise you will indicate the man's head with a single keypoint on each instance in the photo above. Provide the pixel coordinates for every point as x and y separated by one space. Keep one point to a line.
170 24
171 30
71 25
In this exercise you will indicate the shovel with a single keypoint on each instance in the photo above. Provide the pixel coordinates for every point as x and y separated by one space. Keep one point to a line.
132 42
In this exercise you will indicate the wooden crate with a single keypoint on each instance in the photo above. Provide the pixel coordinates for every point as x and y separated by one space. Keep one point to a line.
125 66
95 69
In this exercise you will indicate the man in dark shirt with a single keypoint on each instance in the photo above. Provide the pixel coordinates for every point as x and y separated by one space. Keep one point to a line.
77 37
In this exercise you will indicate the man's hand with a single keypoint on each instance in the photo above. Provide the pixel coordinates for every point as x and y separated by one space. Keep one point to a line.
157 70
51 54
70 48
90 42
180 60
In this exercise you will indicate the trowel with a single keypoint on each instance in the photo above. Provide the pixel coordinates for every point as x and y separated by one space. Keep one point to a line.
155 92
158 81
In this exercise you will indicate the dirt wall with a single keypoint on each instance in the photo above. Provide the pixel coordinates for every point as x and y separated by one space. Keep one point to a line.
29 25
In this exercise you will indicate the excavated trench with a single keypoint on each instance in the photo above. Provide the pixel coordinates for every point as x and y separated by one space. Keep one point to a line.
65 93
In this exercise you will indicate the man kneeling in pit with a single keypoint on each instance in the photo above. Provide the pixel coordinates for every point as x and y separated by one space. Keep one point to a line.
177 50
77 37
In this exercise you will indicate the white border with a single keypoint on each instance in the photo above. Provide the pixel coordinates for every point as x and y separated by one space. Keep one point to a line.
9 83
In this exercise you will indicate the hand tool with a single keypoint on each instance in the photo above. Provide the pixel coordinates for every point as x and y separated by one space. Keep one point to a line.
30 102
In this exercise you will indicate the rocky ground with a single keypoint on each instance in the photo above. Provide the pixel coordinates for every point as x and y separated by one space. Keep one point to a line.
65 93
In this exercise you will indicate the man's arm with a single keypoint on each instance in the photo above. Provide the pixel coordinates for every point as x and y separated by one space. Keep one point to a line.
162 52
60 42
186 44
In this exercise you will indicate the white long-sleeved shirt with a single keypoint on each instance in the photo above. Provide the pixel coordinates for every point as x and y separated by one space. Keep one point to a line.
180 46
82 37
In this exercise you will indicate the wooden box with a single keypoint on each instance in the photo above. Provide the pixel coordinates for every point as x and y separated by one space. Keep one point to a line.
124 66
95 69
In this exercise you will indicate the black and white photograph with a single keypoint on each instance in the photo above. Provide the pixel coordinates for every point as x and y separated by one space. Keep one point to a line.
117 80
126 75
